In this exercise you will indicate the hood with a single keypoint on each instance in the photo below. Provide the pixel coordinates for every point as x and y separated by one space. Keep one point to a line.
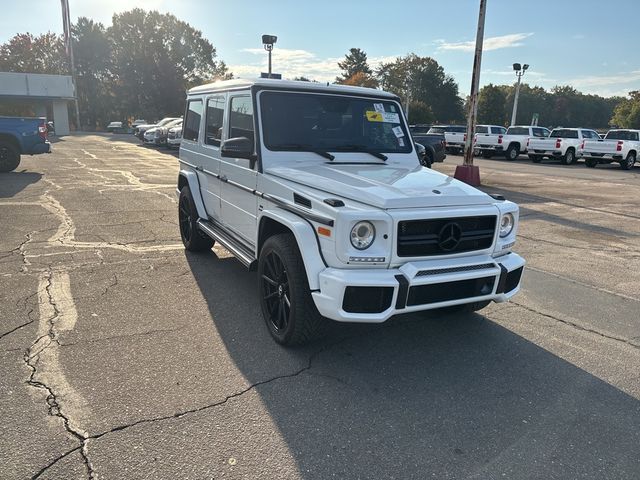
385 185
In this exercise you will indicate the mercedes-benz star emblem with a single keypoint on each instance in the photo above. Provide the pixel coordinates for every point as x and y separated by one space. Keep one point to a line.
449 236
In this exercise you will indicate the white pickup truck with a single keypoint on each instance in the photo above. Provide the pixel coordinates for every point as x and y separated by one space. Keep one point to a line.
487 131
618 145
454 135
563 144
510 144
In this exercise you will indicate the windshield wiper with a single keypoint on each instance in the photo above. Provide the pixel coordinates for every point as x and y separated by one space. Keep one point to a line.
360 148
300 147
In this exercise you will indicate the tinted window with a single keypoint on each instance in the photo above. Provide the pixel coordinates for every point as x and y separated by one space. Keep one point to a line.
455 129
436 130
418 129
482 129
622 135
518 131
191 125
498 130
564 133
213 125
333 123
241 118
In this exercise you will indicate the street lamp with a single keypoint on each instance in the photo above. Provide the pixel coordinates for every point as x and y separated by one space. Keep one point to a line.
519 69
268 41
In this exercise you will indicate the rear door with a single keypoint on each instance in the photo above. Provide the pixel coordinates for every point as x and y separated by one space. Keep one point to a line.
239 175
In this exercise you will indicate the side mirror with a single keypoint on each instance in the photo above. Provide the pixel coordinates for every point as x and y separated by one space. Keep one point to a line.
239 147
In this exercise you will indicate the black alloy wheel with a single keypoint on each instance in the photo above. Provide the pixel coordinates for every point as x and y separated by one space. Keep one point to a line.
193 239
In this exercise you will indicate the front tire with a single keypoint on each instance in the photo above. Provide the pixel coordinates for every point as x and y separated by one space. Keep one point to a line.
9 157
193 238
287 307
628 162
427 160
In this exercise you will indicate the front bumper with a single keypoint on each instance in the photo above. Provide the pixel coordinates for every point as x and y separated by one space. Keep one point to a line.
373 296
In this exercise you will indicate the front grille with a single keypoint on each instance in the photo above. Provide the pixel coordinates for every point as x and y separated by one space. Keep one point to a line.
444 236
171 135
444 292
465 268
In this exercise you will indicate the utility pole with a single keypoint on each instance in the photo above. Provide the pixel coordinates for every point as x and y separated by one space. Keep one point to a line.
519 73
468 172
66 23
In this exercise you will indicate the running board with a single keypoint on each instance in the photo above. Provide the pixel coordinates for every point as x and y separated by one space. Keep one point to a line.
240 251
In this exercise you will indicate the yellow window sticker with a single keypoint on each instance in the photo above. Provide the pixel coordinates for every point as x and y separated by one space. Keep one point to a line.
374 116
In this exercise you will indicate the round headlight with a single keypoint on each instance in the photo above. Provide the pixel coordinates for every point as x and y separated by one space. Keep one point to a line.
506 225
362 235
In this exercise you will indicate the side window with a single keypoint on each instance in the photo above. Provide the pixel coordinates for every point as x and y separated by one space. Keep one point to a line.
498 130
213 125
192 121
540 132
241 118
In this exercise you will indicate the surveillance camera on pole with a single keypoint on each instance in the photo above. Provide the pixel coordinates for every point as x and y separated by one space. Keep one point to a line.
519 69
268 41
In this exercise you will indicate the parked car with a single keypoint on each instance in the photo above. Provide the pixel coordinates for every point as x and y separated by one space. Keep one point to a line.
455 137
174 137
485 131
562 144
161 133
117 127
619 145
21 136
327 201
434 145
510 144
140 129
138 122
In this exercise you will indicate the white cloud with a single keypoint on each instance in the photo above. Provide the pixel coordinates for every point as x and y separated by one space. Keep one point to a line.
297 63
490 43
606 80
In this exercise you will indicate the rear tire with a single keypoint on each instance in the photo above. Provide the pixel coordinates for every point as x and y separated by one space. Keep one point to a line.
427 160
512 152
590 162
569 157
287 307
487 155
193 238
628 162
535 158
9 157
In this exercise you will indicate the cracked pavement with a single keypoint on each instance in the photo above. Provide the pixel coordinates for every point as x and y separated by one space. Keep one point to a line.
123 356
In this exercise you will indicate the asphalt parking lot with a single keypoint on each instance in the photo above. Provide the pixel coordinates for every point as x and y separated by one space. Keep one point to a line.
123 356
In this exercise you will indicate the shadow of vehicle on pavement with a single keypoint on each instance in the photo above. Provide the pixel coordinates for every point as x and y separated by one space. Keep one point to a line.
423 396
12 183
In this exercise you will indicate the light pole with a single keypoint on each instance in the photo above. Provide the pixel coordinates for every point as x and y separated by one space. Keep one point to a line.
268 41
468 172
519 73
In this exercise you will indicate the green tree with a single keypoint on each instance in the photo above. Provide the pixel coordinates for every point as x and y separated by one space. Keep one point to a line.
354 62
92 55
492 105
420 112
155 58
25 53
627 113
422 79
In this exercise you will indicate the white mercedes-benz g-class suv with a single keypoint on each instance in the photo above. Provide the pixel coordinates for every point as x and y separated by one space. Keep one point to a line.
319 189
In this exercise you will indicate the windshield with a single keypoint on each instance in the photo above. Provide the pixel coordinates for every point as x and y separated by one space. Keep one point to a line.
332 123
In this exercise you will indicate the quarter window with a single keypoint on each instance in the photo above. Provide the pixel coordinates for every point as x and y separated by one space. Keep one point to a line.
241 118
192 121
215 116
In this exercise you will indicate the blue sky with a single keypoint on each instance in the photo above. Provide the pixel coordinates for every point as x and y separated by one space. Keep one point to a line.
566 42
